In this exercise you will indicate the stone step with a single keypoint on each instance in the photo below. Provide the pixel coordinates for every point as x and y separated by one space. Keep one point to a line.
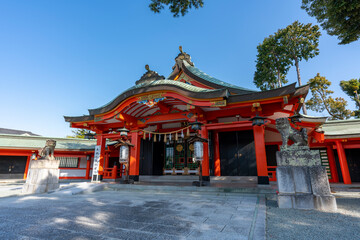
190 178
261 190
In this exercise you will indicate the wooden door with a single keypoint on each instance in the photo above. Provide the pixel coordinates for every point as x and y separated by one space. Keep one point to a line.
146 157
353 160
237 153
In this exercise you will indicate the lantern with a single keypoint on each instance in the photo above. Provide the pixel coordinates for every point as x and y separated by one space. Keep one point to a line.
258 120
123 131
196 125
198 143
198 151
124 154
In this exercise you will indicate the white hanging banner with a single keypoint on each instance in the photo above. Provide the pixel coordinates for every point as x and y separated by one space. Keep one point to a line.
95 170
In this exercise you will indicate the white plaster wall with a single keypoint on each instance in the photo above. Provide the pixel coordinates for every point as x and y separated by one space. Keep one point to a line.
82 162
72 172
271 136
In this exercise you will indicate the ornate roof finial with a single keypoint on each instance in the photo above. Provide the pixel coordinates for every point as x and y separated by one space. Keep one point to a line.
149 76
183 56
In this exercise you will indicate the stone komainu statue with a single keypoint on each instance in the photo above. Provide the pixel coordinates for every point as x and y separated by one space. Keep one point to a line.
48 151
288 132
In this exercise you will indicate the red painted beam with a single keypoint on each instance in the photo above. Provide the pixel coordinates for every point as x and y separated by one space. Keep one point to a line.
234 125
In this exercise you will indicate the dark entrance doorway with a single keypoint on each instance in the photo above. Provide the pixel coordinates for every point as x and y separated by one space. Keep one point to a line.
12 167
237 153
151 158
352 157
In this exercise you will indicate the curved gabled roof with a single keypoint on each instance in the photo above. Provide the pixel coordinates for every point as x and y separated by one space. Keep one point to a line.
207 88
208 80
158 85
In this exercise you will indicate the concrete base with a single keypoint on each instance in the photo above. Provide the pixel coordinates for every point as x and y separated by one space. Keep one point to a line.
299 201
300 156
43 176
325 203
305 184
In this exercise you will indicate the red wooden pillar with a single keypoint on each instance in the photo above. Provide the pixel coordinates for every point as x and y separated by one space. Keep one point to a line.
261 163
101 141
107 160
205 162
134 157
332 164
27 166
88 165
114 172
343 163
217 165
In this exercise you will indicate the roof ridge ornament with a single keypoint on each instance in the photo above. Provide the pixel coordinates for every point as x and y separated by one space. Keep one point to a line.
149 76
182 56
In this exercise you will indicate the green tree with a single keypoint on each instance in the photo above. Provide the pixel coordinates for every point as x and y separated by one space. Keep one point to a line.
300 41
321 99
352 89
176 6
272 64
82 133
339 18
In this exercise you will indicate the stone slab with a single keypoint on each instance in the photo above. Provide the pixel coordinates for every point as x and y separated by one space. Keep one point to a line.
304 201
285 180
129 215
326 203
301 179
295 157
319 181
45 163
285 201
43 176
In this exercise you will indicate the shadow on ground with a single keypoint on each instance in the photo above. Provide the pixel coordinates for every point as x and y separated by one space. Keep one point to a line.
127 215
311 224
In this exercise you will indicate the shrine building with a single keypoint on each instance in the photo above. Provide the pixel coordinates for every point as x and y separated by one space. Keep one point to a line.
238 123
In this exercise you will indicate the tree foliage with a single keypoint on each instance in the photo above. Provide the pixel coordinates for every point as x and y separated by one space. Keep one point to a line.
272 64
82 133
352 89
339 18
322 100
176 6
288 46
301 41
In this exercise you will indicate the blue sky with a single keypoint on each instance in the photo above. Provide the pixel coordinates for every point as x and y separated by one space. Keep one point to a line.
63 57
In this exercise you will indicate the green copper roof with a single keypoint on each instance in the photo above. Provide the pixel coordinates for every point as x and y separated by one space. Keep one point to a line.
211 79
38 142
341 128
185 86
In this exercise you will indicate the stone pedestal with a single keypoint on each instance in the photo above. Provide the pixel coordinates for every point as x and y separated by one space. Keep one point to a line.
43 176
302 181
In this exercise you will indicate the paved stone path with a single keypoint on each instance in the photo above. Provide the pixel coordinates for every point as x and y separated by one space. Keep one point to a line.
133 215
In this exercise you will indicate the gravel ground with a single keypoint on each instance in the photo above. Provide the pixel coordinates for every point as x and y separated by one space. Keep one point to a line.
310 224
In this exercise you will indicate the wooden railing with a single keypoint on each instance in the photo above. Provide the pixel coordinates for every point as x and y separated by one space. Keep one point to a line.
272 173
113 173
